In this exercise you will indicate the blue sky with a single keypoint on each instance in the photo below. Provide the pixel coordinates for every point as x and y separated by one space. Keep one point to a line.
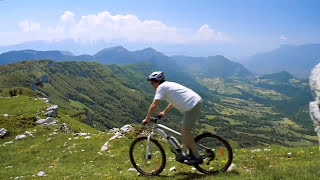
198 28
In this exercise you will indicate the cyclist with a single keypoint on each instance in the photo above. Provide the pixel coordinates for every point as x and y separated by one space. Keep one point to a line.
187 102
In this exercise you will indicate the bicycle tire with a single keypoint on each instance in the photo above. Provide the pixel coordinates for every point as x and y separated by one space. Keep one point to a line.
227 146
131 155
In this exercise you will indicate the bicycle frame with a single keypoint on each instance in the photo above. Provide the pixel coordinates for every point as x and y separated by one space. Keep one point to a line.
158 129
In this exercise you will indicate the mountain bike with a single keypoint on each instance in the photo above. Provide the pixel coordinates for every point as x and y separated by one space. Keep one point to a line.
148 156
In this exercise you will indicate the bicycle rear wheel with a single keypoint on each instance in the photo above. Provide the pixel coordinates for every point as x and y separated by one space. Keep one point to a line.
148 163
216 153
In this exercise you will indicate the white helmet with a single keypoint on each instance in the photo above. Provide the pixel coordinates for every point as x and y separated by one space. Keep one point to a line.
156 76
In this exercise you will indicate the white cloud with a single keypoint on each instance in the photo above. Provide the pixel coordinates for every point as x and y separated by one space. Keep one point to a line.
67 17
27 26
205 33
282 37
115 28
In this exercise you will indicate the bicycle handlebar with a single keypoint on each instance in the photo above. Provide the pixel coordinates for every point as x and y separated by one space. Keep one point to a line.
155 119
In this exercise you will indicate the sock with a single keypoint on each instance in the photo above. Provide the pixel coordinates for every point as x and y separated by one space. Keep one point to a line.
197 154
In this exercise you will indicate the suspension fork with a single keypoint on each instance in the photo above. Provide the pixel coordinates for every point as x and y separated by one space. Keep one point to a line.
149 148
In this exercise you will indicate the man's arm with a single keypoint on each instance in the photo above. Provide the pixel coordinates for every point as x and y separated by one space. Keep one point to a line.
151 110
165 111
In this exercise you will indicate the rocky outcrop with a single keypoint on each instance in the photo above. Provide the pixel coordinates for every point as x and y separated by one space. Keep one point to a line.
19 137
3 132
44 121
52 111
314 106
119 133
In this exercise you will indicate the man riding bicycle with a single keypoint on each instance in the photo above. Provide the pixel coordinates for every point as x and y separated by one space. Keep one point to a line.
187 102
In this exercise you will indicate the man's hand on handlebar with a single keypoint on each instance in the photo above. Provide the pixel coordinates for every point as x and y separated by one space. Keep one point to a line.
146 121
162 114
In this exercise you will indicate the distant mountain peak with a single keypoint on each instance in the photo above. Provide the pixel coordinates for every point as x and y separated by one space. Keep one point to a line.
116 48
280 76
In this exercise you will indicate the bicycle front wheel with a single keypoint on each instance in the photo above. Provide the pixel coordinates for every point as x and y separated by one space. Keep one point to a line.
148 158
216 153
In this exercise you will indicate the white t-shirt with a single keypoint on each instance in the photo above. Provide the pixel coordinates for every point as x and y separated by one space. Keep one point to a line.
181 97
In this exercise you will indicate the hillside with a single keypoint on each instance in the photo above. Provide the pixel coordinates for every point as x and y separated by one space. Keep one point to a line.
212 66
297 60
63 155
256 111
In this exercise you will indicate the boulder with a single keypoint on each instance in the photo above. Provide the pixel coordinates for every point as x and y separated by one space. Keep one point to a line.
41 173
231 167
173 168
53 107
113 130
314 81
3 132
44 121
126 128
116 136
19 137
50 113
6 115
83 134
29 134
105 146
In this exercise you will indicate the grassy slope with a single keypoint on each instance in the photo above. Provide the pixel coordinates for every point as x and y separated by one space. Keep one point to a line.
116 95
79 158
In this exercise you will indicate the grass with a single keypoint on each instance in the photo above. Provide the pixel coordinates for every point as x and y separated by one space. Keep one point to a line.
21 105
62 158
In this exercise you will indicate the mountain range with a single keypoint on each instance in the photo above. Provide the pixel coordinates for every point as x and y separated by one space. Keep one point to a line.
297 60
213 66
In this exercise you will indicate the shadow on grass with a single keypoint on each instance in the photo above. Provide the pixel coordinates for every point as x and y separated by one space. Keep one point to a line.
195 175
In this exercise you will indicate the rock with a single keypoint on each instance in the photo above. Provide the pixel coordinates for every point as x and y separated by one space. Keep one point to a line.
9 142
29 134
255 150
54 122
105 146
50 114
113 130
76 137
49 139
132 170
87 137
126 128
41 173
116 136
64 127
193 169
44 121
6 115
46 100
19 137
289 154
173 168
54 108
70 139
83 134
9 167
3 132
231 167
267 150
65 144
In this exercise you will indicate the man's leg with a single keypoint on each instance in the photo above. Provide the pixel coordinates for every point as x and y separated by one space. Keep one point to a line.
189 121
187 140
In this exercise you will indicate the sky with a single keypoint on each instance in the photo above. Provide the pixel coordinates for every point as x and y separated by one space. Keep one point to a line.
196 28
